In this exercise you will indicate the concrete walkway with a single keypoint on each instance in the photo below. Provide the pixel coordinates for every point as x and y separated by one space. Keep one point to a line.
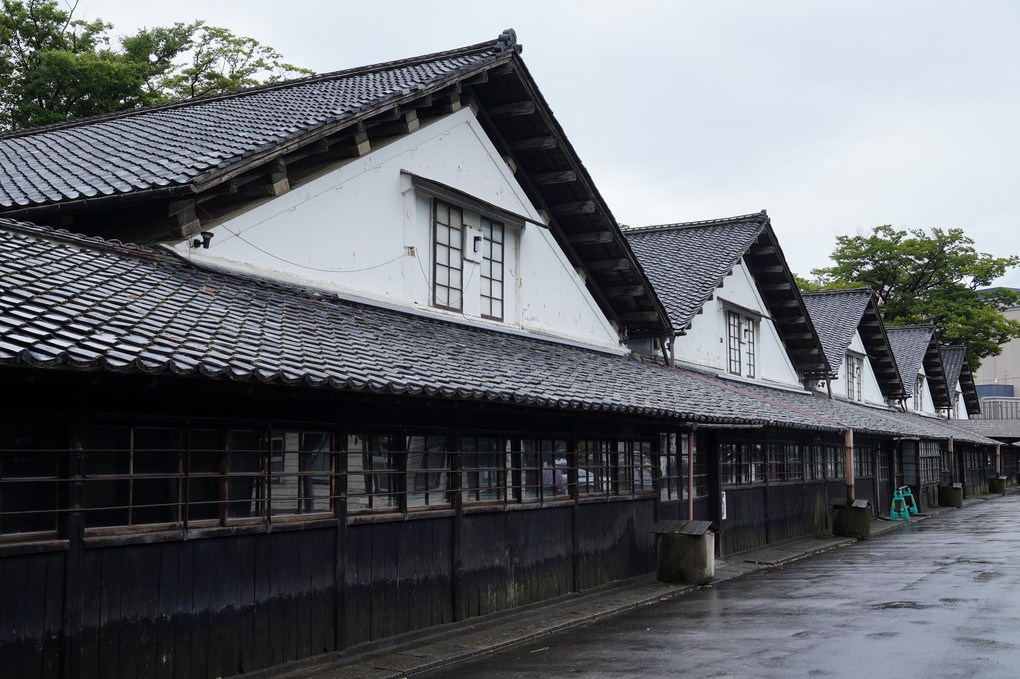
430 649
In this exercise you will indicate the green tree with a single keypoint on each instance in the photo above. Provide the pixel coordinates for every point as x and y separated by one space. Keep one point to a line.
57 67
934 277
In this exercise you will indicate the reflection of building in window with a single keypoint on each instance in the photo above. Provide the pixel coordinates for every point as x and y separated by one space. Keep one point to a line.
741 345
428 470
854 376
374 472
544 469
483 468
919 393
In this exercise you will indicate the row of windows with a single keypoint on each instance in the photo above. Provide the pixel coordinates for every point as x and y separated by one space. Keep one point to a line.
675 471
749 462
162 476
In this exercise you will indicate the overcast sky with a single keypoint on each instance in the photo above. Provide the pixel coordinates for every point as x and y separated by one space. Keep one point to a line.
833 115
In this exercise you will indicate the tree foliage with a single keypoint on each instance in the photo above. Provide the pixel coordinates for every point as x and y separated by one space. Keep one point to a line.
935 277
57 67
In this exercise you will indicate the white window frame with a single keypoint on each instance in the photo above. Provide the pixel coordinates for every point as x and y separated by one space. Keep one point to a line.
854 376
741 340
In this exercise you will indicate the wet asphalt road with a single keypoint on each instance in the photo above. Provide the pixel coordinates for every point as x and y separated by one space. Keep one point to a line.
937 599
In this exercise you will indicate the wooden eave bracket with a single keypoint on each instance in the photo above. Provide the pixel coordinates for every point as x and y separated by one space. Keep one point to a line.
184 221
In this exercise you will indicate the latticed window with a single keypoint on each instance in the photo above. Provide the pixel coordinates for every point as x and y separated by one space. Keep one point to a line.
741 345
492 269
919 393
854 376
448 256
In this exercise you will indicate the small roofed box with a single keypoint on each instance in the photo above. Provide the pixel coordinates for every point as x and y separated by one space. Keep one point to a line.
853 520
685 551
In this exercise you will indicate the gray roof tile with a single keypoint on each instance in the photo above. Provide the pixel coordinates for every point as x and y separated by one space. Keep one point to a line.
836 315
142 309
687 262
146 310
182 142
910 344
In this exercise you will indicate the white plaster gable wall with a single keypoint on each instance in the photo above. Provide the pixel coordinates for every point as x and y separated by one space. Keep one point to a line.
960 407
870 391
704 345
362 230
927 406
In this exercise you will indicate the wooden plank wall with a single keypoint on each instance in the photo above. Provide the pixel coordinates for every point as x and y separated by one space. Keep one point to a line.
219 606
204 608
31 611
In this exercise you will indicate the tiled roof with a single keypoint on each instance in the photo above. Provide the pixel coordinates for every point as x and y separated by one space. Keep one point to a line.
958 373
864 419
70 301
836 315
910 344
184 142
75 302
687 262
165 173
915 346
953 358
1007 431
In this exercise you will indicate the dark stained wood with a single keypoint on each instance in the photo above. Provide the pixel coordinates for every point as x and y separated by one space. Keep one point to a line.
563 177
14 604
581 207
518 108
53 614
591 238
167 611
534 144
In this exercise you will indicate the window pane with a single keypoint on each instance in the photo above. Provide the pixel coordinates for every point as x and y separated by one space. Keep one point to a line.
373 472
428 465
246 487
205 460
28 476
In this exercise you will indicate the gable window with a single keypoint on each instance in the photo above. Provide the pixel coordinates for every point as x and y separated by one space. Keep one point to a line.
741 345
448 256
463 240
919 393
492 269
854 376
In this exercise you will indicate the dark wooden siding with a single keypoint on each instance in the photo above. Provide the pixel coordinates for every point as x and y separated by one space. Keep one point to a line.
31 614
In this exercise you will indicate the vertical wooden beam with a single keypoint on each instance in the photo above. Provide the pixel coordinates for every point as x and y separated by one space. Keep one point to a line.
848 443
998 459
74 531
691 448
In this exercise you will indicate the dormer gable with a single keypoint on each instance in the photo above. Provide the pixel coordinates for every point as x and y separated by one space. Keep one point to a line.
688 263
171 173
919 360
960 380
845 318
